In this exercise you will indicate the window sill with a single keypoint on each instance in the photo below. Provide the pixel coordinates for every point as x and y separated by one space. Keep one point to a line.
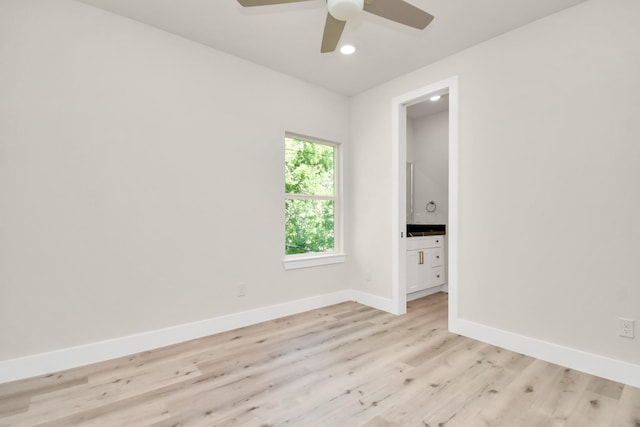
313 260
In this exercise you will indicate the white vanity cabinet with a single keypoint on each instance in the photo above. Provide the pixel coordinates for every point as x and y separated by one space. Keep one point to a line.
425 262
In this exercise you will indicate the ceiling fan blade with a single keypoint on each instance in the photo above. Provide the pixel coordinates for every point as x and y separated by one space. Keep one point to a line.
399 11
249 3
332 32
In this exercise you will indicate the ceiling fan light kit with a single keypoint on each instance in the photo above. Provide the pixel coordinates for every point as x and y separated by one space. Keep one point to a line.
344 10
340 11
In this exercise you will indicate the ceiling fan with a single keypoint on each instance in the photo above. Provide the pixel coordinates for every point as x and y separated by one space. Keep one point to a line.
340 11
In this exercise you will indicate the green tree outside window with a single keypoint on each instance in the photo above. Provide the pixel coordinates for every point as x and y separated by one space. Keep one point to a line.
310 196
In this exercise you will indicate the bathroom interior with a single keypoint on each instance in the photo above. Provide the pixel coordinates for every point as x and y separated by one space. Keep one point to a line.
427 195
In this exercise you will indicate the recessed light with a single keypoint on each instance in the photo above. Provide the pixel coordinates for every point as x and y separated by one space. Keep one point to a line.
435 98
347 49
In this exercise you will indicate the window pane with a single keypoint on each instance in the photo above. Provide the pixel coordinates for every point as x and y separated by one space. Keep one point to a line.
309 168
309 226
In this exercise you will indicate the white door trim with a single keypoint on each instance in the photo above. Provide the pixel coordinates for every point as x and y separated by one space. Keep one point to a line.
399 106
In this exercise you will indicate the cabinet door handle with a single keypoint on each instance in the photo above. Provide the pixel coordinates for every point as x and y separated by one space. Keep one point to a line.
421 260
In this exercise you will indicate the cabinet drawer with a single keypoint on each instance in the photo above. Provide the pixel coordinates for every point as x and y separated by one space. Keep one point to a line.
424 242
437 276
437 257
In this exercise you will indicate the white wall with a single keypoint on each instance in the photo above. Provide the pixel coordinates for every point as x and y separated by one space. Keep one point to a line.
548 178
141 178
427 149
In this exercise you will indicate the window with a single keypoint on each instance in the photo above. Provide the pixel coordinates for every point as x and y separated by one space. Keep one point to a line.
311 197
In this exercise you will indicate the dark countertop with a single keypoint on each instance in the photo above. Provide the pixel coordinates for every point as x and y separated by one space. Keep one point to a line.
418 230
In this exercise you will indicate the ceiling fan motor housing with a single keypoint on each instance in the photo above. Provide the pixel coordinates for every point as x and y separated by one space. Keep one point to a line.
344 10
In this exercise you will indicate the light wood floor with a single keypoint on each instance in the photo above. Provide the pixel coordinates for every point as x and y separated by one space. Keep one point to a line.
340 366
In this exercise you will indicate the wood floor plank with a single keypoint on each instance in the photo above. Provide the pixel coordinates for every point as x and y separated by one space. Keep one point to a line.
593 409
460 402
144 414
560 399
628 413
344 365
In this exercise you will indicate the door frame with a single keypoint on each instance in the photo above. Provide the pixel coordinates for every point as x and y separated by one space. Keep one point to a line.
399 215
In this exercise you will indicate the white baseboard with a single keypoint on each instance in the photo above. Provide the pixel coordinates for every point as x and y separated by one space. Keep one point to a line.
72 357
384 304
426 292
615 370
44 363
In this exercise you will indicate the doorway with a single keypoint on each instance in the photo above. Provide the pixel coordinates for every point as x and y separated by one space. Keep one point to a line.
400 105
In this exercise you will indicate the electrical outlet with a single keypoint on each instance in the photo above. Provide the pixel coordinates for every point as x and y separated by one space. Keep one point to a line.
242 290
626 328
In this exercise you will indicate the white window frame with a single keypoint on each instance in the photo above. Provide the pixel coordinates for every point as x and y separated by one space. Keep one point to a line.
337 255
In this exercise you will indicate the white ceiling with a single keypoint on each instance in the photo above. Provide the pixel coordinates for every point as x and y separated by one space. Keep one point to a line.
428 108
287 37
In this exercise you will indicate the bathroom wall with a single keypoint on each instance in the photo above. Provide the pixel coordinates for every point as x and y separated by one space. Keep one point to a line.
427 149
